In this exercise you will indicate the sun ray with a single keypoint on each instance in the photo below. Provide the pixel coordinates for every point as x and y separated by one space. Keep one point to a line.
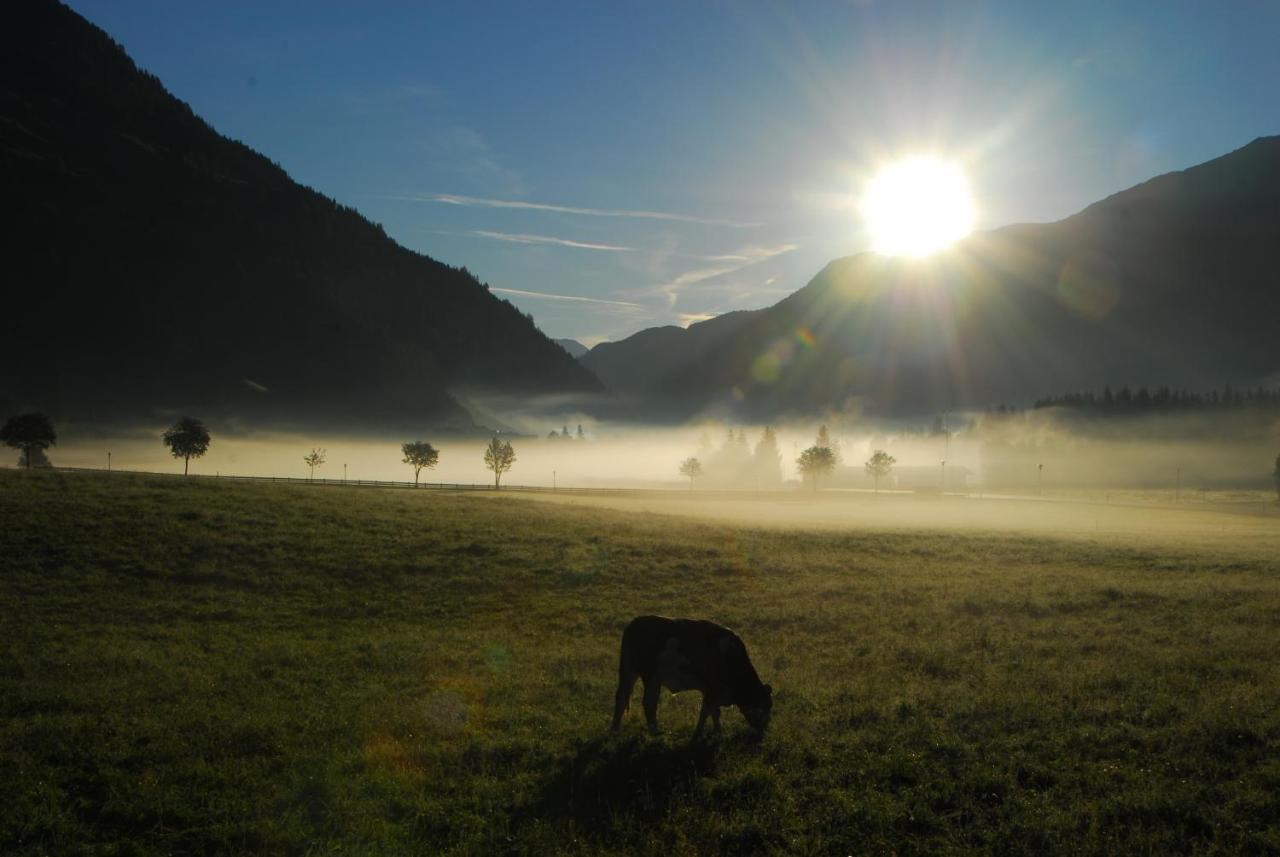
918 206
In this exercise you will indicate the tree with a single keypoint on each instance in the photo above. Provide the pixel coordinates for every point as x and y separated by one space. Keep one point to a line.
499 456
692 468
767 459
824 441
187 439
36 458
418 455
815 462
314 460
32 433
879 465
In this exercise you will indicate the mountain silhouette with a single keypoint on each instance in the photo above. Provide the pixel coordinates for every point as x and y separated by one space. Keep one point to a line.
1175 281
573 346
159 267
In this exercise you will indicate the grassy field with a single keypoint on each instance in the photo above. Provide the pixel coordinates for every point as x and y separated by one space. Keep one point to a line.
195 667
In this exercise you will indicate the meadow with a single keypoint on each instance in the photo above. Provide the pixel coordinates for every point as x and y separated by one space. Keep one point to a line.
193 666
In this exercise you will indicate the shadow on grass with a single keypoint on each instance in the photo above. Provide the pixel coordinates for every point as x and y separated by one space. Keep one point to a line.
608 779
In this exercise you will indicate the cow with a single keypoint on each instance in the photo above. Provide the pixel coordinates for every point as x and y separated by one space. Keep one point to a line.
689 654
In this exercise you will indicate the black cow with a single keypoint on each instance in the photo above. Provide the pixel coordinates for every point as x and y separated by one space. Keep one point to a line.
689 654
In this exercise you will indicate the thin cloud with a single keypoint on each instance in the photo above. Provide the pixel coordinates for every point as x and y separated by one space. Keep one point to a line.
555 297
729 263
523 238
482 202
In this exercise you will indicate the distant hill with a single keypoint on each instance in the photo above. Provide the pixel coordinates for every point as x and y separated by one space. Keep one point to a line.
1173 282
157 267
575 348
641 363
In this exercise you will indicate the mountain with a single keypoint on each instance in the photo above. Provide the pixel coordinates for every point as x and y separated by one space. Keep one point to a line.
1174 282
575 348
641 363
159 267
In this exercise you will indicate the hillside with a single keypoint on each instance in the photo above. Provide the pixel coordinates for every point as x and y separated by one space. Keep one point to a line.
161 267
1173 282
574 347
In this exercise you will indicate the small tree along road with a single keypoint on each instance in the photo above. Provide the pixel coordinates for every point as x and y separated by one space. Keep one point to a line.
187 439
879 465
31 433
815 462
692 468
314 460
498 457
419 454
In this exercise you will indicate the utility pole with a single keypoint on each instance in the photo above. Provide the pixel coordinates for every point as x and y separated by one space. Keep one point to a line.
1177 485
108 461
344 473
553 480
944 475
1040 480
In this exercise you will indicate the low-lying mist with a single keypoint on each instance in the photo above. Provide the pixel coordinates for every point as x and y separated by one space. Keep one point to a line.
1034 452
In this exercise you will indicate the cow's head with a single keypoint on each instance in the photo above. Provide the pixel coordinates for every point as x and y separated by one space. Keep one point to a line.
758 708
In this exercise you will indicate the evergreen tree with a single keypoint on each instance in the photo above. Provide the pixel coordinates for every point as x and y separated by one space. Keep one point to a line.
766 461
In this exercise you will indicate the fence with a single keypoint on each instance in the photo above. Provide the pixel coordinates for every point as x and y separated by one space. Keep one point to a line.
354 483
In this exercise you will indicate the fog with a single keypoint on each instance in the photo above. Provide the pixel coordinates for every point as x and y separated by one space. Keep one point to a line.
1036 453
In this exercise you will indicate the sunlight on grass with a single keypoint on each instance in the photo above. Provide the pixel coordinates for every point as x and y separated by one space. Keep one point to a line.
192 666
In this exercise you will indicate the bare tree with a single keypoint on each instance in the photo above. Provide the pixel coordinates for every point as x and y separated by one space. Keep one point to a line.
314 460
31 433
879 465
187 439
498 457
815 462
692 468
418 455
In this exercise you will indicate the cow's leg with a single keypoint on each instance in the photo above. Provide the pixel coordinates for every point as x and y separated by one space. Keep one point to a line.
651 690
702 715
622 699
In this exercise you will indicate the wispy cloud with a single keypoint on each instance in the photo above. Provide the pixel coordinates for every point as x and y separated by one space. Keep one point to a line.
483 202
725 264
555 297
522 238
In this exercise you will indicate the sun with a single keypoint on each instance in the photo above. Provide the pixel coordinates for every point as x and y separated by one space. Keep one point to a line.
917 206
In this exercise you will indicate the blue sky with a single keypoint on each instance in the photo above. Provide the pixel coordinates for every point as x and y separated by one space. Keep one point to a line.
610 167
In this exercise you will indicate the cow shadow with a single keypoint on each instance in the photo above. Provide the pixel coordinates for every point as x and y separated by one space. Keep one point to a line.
611 777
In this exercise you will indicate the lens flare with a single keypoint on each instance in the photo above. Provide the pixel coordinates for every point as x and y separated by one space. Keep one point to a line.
918 206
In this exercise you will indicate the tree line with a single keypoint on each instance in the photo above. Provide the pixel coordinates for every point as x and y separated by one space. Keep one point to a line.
1164 400
736 463
33 433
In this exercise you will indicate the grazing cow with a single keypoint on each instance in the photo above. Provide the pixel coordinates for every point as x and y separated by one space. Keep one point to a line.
689 654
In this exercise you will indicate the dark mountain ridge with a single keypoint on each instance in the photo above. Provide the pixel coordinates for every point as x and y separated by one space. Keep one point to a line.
1174 281
161 267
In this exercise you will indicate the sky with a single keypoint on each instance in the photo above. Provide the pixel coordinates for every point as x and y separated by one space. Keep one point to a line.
611 167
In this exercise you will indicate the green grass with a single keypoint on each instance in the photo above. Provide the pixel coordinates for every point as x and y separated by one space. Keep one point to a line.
192 667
